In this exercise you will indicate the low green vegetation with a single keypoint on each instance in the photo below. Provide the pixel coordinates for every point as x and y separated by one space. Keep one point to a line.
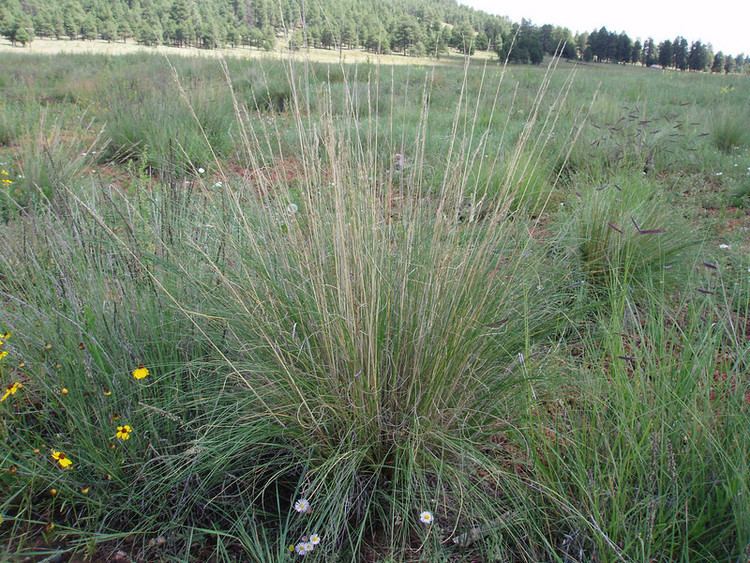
372 313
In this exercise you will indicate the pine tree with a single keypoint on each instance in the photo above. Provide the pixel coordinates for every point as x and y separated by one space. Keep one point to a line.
23 30
151 32
180 17
649 52
698 56
680 48
463 38
124 31
665 53
718 63
728 64
88 28
109 30
635 52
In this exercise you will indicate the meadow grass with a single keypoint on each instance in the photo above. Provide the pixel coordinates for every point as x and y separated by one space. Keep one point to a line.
344 292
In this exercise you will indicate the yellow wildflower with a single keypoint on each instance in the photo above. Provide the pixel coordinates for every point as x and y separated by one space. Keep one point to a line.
123 432
6 181
141 372
61 460
53 492
3 354
64 391
85 490
11 390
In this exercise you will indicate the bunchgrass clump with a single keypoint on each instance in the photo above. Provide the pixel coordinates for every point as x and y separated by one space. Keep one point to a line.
624 233
729 131
51 155
361 345
353 328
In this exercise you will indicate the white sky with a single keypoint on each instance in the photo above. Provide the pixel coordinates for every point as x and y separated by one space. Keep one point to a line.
723 23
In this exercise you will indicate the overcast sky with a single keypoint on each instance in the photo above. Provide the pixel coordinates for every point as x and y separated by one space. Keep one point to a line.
724 24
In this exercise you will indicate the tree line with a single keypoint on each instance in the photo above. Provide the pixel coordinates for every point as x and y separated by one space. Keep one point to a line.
408 27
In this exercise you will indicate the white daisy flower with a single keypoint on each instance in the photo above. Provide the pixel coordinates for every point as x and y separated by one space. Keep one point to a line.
301 548
426 517
314 539
302 506
201 170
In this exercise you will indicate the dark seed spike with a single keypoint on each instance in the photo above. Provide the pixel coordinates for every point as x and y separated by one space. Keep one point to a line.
651 231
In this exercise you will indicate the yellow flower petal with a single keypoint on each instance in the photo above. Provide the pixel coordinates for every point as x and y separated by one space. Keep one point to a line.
141 372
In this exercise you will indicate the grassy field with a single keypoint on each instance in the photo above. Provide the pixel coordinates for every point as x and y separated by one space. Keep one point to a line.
42 46
260 310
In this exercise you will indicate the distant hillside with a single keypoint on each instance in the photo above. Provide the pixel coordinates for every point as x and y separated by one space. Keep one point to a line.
408 27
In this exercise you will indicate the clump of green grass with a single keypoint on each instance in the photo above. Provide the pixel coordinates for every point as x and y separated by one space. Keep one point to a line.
339 337
48 157
175 133
624 233
739 195
729 131
11 123
647 442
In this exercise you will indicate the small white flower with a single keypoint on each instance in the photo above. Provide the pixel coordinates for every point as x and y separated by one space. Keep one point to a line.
201 171
302 506
292 208
719 174
724 246
314 539
309 546
301 548
218 185
426 517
